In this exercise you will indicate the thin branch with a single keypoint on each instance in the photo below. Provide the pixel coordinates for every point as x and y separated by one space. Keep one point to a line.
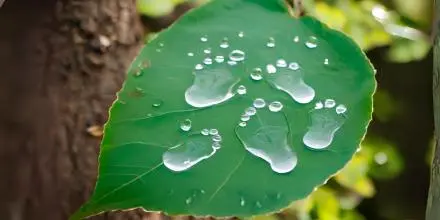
295 8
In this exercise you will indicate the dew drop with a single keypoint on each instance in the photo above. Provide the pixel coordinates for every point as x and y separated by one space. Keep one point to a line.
259 103
245 117
205 132
207 61
204 39
219 59
329 103
271 43
281 63
242 124
312 42
225 43
271 69
237 55
275 106
294 66
185 125
241 34
341 109
199 67
251 111
213 131
241 90
296 39
190 54
256 74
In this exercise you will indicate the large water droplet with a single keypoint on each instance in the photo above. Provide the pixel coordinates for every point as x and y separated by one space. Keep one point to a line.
259 103
271 69
241 90
186 125
281 63
271 43
251 111
275 106
219 59
185 155
225 43
325 123
256 74
237 55
312 42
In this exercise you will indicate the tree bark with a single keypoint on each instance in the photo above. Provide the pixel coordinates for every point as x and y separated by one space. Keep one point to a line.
433 205
61 63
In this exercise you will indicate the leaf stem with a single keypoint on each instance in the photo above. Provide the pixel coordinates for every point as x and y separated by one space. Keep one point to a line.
295 8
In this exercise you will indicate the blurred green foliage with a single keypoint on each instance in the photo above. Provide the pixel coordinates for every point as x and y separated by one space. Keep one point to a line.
401 25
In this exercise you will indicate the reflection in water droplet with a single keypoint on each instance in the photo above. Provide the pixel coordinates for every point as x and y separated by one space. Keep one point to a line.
207 61
242 124
204 39
329 103
271 43
281 63
225 43
325 123
296 39
219 59
271 69
312 42
199 67
294 66
185 125
259 103
291 82
341 109
251 111
213 131
237 55
190 54
205 132
245 117
241 34
241 90
275 106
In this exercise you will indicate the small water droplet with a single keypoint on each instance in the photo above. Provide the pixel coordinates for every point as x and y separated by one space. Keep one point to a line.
381 158
237 55
205 132
259 103
232 63
216 145
319 105
242 124
241 90
225 43
199 67
188 200
202 191
161 44
294 66
137 72
213 131
271 69
312 42
204 39
217 138
271 43
341 109
276 106
207 61
157 103
258 204
190 54
242 202
185 125
326 61
329 103
251 111
158 50
281 63
219 59
245 117
256 74
207 51
296 39
241 34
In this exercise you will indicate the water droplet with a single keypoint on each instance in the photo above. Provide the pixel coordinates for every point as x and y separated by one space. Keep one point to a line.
245 117
225 43
251 111
296 39
241 34
232 63
137 72
294 66
161 44
237 55
275 106
157 103
207 61
271 69
242 124
199 67
319 105
219 59
241 90
281 63
259 103
204 39
213 131
242 202
188 200
312 42
256 74
326 61
205 132
329 103
216 145
341 109
325 123
381 158
207 51
185 125
190 54
217 138
271 43
158 50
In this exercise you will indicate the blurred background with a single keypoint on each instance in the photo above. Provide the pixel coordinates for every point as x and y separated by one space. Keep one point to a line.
49 156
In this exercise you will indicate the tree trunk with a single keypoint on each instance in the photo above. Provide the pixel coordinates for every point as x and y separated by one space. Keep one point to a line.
61 63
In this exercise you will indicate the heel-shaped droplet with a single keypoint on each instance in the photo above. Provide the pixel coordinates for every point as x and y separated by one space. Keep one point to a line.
266 136
326 120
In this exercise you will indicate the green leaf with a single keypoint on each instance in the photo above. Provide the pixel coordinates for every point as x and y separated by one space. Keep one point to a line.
177 139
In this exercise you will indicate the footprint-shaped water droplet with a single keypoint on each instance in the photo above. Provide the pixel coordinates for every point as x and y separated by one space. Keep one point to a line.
294 66
259 103
237 55
245 117
281 63
341 109
271 69
266 136
213 131
205 132
325 122
219 59
329 103
275 106
186 125
217 138
241 90
251 111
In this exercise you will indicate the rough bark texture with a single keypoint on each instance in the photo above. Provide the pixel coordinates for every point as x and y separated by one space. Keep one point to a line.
433 206
61 62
